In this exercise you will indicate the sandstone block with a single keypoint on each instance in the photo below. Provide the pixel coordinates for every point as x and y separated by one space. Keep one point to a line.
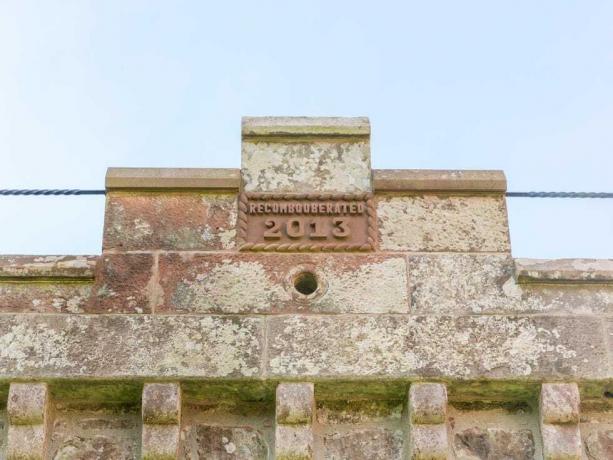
29 419
559 403
561 442
47 267
223 443
599 444
122 284
295 403
161 403
293 442
484 284
306 155
160 442
428 442
428 403
478 443
124 346
266 283
392 346
27 403
49 297
434 223
436 180
363 444
100 434
170 221
564 270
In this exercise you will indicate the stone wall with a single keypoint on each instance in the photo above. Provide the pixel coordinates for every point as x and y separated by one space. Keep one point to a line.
175 343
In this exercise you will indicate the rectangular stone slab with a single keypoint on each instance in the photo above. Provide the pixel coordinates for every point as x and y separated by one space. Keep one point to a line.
397 346
116 346
356 347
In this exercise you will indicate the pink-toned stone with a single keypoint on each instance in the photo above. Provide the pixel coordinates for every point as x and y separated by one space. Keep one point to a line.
170 221
428 403
264 283
295 403
122 284
161 403
559 403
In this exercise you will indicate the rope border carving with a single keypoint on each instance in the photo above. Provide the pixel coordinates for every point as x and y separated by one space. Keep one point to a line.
244 245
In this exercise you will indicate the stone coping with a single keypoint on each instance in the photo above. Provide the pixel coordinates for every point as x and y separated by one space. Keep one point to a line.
564 270
304 126
47 267
385 180
172 178
439 180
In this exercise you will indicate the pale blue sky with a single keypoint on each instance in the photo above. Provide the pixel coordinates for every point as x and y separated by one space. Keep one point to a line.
523 86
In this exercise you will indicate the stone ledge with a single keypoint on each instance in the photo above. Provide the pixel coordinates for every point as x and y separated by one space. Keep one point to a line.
384 180
304 126
564 271
47 267
172 178
438 180
386 347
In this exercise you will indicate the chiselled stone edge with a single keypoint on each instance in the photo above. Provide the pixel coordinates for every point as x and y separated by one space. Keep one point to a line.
439 180
384 180
172 178
255 127
564 271
22 267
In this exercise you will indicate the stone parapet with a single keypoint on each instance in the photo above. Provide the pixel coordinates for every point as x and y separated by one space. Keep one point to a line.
305 306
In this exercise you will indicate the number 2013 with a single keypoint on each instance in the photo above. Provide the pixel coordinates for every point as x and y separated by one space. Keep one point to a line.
298 228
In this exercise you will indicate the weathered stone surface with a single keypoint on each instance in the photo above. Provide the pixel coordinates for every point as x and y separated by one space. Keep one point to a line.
484 284
161 409
44 297
160 442
222 443
171 221
363 444
599 445
559 403
428 442
27 403
129 345
95 435
284 127
561 442
397 346
301 154
494 443
428 403
293 442
161 403
67 267
578 270
443 223
28 416
264 283
122 284
295 403
402 180
337 412
172 178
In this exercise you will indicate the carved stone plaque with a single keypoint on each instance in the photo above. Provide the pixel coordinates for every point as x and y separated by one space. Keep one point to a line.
306 222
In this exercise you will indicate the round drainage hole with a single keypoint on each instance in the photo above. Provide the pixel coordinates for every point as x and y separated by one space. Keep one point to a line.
305 283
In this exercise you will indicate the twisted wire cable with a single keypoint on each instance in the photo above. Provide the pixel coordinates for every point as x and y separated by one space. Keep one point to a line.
72 192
